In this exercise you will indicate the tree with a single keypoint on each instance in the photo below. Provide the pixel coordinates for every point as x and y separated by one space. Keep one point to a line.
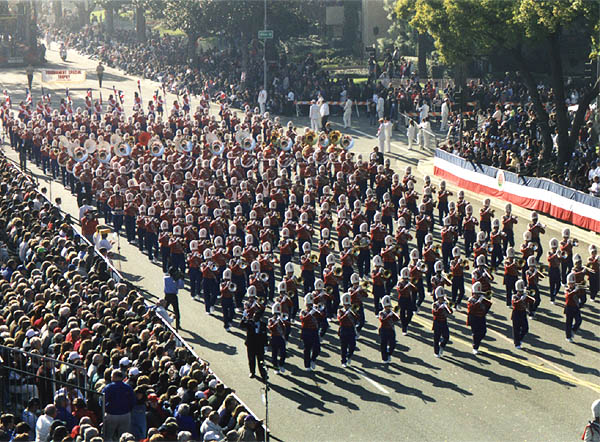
191 17
465 29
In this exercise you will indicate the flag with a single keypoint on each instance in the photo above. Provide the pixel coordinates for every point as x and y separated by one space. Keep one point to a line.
89 93
7 98
68 96
155 96
121 96
27 97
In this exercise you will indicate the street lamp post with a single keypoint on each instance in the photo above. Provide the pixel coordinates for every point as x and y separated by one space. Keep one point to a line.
265 51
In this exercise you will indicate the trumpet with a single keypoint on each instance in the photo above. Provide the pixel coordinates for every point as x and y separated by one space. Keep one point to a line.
436 249
563 255
232 286
487 295
331 245
490 248
465 264
535 247
337 271
575 242
264 277
214 266
243 264
386 274
421 266
314 259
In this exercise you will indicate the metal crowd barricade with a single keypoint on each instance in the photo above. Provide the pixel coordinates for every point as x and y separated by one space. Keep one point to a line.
26 375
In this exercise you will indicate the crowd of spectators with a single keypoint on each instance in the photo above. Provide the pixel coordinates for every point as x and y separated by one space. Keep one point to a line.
502 131
69 332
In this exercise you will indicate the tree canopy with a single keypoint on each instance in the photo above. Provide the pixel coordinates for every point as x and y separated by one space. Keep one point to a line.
463 29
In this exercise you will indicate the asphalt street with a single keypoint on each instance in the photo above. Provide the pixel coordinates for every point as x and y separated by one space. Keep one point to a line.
542 392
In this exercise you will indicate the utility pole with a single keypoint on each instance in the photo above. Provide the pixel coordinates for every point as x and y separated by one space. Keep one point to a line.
265 51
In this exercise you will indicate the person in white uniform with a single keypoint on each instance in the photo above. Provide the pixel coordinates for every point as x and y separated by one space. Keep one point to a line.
348 113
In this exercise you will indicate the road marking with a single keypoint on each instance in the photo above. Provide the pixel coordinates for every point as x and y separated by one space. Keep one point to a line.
558 373
370 381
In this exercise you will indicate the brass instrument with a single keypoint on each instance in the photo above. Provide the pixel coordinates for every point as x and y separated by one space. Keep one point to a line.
487 295
421 266
232 286
386 274
243 264
298 280
563 255
214 266
264 277
465 264
347 142
589 269
490 248
310 138
365 285
337 271
329 290
334 137
575 242
355 308
314 259
331 245
535 247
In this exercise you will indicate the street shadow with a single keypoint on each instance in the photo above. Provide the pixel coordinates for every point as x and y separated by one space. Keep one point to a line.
195 338
491 375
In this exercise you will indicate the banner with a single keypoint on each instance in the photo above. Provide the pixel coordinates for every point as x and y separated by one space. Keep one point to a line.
63 76
540 194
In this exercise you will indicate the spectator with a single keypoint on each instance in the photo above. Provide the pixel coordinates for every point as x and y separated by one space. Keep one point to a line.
120 400
44 423
30 417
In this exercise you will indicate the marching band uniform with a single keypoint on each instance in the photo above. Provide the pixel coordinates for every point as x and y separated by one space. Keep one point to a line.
347 332
387 334
511 274
309 318
554 261
477 308
277 326
441 333
572 308
520 303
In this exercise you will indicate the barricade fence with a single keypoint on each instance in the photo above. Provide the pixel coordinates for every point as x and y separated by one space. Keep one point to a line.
118 277
27 375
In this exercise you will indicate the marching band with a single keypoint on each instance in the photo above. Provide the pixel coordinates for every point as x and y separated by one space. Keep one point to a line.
235 204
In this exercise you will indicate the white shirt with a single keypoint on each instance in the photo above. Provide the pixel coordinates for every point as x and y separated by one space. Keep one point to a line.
387 128
262 96
445 108
380 104
324 109
314 111
424 111
348 105
42 428
84 209
290 96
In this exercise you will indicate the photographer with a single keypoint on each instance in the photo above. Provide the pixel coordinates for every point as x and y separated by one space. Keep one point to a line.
173 282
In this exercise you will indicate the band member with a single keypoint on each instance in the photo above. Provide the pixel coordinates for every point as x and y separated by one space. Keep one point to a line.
511 274
566 249
442 204
227 289
572 309
417 269
593 266
389 255
347 318
347 257
403 236
495 245
194 259
430 256
277 325
358 293
422 222
458 265
481 274
579 271
469 224
533 276
441 333
210 288
477 308
508 222
406 299
448 235
361 244
378 279
309 318
308 268
387 334
438 279
536 228
528 248
321 299
256 341
554 261
485 217
520 304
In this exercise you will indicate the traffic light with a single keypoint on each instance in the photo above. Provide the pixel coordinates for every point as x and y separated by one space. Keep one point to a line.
589 73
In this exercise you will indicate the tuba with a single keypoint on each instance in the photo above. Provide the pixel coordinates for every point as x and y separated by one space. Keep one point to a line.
104 156
217 147
188 146
115 139
335 137
248 144
310 138
347 142
80 154
123 150
323 140
156 148
286 143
